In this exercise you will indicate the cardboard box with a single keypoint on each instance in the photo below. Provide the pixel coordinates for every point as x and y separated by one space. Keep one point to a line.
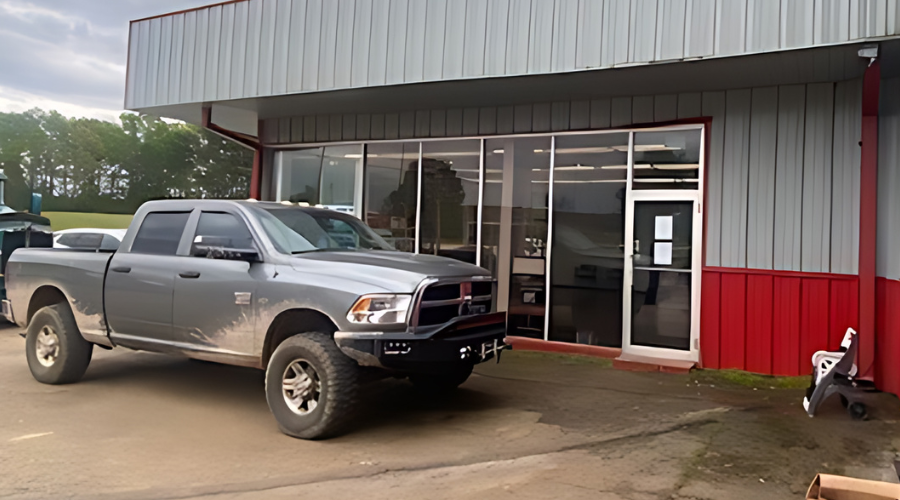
827 487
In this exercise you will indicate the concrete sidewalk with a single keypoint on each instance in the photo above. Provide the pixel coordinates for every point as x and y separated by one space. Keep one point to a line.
535 426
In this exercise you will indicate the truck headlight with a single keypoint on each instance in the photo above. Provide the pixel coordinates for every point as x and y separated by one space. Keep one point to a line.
380 309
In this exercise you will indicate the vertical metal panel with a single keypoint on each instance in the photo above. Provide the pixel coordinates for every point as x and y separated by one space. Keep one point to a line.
540 40
435 25
295 50
761 188
580 115
392 126
454 122
198 86
378 40
282 47
731 25
165 55
487 120
832 21
763 25
700 18
505 119
845 177
362 31
267 48
789 176
142 61
343 52
187 60
212 54
226 47
363 126
523 118
893 18
665 108
309 128
284 130
614 49
642 31
559 116
297 129
270 131
540 117
621 111
328 44
396 44
590 34
797 23
888 230
600 113
254 37
423 123
517 34
865 20
736 158
495 42
132 71
414 69
152 74
323 127
565 35
175 78
335 127
312 34
475 38
407 128
642 109
689 105
438 123
815 242
670 24
470 121
713 105
239 51
454 39
348 124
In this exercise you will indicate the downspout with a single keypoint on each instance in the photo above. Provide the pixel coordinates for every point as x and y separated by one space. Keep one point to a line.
256 146
868 212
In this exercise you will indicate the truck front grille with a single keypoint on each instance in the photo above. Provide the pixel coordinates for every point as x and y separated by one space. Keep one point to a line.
442 302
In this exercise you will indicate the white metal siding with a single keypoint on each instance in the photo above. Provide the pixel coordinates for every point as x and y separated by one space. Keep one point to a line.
285 46
888 260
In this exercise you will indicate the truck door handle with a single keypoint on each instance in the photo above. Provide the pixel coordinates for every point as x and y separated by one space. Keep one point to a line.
121 269
189 274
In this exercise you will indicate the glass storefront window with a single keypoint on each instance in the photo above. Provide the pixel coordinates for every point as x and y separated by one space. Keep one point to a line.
391 190
589 182
450 172
320 176
667 159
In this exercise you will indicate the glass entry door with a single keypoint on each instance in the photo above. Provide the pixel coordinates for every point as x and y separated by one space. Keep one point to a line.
662 265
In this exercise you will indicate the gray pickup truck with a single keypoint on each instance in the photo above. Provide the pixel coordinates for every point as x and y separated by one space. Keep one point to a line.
313 296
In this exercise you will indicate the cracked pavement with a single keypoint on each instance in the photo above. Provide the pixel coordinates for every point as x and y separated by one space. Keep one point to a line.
148 426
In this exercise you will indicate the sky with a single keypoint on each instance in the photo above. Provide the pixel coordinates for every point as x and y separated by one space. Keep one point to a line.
70 55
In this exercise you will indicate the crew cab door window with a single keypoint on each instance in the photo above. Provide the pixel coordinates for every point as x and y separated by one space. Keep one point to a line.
160 233
224 229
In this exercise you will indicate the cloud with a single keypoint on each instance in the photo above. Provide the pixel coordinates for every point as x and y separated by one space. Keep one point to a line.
70 55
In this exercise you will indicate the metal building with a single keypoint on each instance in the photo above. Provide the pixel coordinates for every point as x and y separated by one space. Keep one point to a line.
700 181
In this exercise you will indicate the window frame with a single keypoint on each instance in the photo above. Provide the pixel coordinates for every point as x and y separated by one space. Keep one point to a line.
194 224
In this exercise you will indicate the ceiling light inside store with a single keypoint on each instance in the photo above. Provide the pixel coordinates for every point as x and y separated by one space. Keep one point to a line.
356 155
497 151
587 181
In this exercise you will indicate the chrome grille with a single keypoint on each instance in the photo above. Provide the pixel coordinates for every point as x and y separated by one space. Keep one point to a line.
442 301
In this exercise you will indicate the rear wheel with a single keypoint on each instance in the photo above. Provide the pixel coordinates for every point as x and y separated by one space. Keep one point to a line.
311 386
54 347
441 382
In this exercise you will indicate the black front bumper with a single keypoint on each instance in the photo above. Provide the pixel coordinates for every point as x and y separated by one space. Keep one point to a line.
468 340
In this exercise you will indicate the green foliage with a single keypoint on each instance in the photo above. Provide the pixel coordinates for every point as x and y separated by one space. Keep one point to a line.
69 220
85 165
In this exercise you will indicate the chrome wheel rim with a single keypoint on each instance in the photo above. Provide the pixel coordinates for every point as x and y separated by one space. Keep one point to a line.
301 387
47 346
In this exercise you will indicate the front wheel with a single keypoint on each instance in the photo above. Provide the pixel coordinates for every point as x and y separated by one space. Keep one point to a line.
54 347
311 386
442 382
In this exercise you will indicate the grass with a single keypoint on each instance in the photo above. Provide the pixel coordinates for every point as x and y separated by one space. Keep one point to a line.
69 220
565 359
745 379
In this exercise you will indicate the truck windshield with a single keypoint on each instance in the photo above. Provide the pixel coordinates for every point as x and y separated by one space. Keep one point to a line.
295 230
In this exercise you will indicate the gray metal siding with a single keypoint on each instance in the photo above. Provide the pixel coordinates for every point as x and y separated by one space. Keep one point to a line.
888 246
782 170
286 46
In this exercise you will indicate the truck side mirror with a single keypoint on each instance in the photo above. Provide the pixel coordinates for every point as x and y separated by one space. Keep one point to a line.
214 247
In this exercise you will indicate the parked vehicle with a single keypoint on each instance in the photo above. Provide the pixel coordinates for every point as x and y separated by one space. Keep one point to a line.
313 296
19 230
89 238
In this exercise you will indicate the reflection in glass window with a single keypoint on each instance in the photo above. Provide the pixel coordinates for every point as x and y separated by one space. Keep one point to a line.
320 176
668 159
588 235
391 189
450 198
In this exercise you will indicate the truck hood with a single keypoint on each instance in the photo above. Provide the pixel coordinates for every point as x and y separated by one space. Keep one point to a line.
393 271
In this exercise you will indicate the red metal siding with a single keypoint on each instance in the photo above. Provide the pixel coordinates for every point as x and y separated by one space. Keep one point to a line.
887 366
772 322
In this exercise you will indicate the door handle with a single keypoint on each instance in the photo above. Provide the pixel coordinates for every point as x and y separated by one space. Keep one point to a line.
189 274
121 269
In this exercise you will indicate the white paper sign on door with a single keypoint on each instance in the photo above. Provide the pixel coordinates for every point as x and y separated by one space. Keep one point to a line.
664 227
662 253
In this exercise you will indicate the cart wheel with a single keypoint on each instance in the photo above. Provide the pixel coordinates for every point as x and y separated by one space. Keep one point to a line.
857 411
844 401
